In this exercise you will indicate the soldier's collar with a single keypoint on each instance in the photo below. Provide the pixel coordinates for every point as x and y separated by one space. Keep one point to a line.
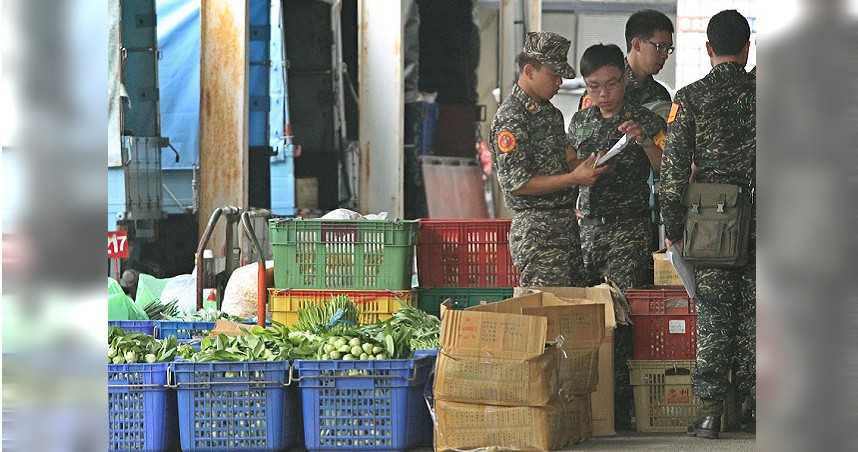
630 75
727 69
623 115
530 104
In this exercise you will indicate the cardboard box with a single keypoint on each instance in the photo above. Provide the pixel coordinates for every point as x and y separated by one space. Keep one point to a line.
585 408
495 359
664 273
602 399
496 354
600 294
575 328
463 426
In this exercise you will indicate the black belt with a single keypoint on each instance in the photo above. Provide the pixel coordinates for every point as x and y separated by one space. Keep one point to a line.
607 219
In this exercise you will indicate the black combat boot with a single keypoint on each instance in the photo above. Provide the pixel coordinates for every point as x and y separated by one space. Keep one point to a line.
748 422
708 424
705 427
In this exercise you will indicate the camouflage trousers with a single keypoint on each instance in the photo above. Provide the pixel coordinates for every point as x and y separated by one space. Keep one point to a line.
619 251
545 248
726 334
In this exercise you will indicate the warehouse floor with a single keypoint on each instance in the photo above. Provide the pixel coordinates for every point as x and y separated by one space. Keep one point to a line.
661 441
668 441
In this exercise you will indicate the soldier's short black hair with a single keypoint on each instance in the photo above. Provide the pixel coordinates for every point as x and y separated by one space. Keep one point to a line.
644 23
599 55
523 59
728 32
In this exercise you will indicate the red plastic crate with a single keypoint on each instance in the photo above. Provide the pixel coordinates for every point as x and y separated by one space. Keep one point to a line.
464 254
665 324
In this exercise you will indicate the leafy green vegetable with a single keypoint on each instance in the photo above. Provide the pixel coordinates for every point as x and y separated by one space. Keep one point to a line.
129 348
322 317
425 328
157 311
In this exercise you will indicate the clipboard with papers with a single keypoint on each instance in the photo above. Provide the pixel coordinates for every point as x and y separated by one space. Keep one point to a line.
615 149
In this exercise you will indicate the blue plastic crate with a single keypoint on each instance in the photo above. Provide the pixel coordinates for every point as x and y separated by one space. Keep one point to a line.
184 330
146 327
431 352
364 405
142 412
236 406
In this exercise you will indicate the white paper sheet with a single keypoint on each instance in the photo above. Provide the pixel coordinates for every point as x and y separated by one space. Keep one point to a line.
683 269
618 146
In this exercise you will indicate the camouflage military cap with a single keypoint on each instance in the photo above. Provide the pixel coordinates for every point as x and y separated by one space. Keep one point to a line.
549 49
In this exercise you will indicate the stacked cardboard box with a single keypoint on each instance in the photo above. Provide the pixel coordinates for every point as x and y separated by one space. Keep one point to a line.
602 399
663 272
517 374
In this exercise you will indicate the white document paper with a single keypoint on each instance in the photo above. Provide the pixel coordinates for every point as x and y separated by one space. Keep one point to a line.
683 269
618 146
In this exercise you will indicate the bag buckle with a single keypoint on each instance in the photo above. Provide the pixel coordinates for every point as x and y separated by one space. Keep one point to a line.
695 208
720 205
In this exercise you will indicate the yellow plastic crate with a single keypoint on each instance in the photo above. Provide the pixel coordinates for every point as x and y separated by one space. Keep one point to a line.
664 398
374 305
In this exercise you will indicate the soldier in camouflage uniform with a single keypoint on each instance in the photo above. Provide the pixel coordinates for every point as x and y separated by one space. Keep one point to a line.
649 41
616 226
713 123
539 182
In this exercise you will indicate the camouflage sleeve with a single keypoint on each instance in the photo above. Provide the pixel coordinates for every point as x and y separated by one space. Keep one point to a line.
572 138
513 156
676 167
653 126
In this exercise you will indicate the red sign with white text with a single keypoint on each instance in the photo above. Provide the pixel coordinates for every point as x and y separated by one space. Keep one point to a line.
117 244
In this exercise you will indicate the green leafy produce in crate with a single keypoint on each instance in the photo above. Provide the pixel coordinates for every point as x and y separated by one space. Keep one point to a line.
131 348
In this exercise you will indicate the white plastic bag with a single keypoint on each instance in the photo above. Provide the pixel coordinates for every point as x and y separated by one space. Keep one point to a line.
183 289
346 214
342 214
377 216
239 297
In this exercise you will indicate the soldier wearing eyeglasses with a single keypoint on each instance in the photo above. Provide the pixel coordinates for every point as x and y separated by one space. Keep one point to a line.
649 42
616 223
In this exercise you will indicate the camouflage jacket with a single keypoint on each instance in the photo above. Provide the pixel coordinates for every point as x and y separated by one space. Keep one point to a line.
638 92
528 140
712 123
625 191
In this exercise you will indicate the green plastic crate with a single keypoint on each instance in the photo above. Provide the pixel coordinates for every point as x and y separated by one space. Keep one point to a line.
429 300
340 254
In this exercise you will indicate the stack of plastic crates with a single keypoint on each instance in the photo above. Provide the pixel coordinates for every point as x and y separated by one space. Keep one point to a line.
665 347
248 406
364 405
368 261
467 261
142 411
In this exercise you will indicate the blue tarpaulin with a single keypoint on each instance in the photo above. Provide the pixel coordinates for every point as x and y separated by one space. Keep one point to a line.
179 80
